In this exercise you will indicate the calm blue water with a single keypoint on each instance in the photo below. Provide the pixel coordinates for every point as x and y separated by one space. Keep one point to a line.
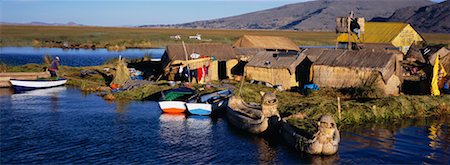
71 57
62 125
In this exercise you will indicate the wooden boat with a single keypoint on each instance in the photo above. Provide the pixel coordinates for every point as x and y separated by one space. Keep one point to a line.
172 106
24 85
211 103
324 142
245 116
177 94
203 109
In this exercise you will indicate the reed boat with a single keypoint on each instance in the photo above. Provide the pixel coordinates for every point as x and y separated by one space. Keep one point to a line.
324 142
245 116
24 85
173 107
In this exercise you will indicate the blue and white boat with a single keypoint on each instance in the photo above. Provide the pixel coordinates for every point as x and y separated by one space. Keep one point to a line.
202 109
25 85
210 103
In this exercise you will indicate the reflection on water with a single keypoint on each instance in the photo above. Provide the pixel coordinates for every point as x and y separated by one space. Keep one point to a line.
71 57
62 126
425 140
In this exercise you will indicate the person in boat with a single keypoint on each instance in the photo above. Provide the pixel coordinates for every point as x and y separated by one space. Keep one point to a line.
54 67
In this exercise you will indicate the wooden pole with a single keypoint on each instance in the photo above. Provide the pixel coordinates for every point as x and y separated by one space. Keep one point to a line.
242 84
349 33
187 60
339 107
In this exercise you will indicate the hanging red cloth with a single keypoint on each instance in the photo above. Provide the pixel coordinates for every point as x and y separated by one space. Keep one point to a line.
200 73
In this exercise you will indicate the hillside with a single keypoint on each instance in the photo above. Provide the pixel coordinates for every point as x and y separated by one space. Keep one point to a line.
432 18
316 15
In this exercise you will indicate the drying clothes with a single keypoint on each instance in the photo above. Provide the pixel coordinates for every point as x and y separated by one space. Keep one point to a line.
194 74
200 73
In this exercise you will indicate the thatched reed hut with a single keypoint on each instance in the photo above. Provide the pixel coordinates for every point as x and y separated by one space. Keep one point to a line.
276 68
401 35
353 69
444 56
217 58
269 43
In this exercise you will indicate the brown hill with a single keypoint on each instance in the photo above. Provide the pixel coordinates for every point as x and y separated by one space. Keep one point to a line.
432 18
316 15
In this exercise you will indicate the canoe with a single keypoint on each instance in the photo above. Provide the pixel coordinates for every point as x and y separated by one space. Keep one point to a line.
315 144
203 109
172 106
177 94
24 85
246 117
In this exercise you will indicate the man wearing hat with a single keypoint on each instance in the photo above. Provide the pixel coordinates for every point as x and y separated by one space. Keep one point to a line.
54 68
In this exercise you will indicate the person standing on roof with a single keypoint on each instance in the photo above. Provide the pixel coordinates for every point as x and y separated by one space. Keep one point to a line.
54 67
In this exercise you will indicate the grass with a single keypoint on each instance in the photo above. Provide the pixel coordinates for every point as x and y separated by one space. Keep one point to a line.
115 38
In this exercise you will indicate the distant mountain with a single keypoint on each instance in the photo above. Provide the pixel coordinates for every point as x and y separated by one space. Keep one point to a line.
432 18
319 15
43 24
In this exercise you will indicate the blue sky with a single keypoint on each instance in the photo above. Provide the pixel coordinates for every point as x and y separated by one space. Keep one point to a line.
134 12
128 13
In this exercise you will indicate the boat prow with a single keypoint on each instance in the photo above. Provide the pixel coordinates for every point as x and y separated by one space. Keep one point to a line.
172 106
199 108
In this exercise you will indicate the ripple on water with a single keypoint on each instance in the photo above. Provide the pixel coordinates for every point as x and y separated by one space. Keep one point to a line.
64 126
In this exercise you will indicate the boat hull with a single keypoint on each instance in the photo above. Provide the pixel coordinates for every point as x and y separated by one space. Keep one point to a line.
25 85
245 117
172 106
300 141
199 108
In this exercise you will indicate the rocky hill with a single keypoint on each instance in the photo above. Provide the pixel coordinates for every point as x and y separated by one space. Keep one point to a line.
432 18
318 15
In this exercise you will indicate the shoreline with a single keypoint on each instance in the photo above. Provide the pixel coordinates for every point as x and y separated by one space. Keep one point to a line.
299 106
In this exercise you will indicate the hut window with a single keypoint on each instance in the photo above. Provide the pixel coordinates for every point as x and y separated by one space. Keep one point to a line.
266 62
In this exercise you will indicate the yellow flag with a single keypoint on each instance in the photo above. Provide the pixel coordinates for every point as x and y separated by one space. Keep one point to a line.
435 79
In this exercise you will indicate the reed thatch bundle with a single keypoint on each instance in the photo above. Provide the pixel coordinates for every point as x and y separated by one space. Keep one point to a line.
122 73
47 59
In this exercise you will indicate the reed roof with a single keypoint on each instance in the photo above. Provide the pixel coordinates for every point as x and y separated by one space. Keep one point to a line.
382 61
220 51
266 42
276 60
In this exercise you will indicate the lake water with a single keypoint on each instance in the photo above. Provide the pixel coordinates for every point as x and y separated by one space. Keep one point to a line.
71 57
62 125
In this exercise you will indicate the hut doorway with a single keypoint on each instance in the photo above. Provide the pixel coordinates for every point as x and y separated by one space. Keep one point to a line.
222 70
303 71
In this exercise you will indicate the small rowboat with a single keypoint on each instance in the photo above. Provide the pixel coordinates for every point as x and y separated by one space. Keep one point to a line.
199 108
172 106
24 85
209 104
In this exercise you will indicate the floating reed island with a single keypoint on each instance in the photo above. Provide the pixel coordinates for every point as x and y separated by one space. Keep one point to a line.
318 88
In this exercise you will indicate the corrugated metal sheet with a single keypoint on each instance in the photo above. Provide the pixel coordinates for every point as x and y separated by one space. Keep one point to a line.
266 42
277 60
247 51
222 52
378 32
